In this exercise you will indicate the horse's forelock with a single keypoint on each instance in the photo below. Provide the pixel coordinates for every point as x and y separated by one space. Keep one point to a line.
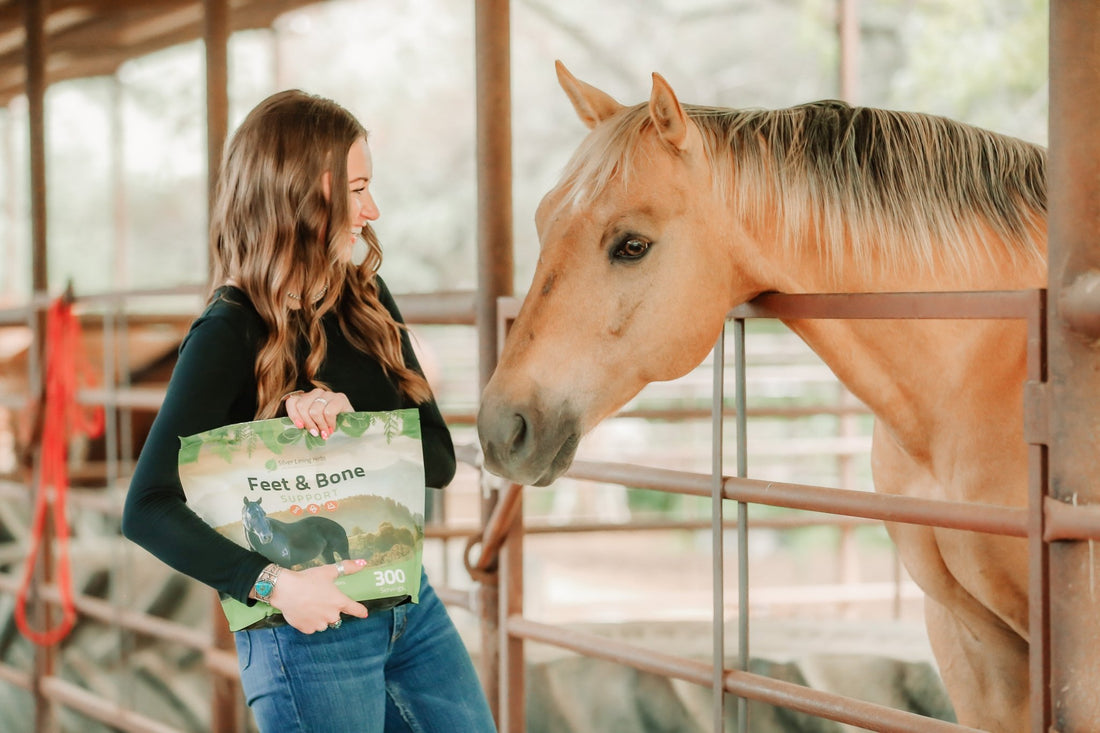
605 155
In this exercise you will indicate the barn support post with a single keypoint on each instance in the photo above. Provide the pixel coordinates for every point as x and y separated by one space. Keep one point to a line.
34 17
216 37
1073 357
494 176
226 695
495 275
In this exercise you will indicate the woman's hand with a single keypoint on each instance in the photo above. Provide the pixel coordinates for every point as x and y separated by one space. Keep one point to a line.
316 410
309 599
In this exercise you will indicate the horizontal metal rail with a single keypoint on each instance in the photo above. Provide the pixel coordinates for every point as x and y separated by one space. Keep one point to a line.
441 308
109 505
989 518
800 521
14 676
839 708
96 707
136 621
979 304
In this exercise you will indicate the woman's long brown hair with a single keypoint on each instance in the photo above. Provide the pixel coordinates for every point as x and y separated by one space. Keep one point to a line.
274 231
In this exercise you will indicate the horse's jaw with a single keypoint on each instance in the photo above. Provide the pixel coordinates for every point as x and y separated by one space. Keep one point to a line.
525 442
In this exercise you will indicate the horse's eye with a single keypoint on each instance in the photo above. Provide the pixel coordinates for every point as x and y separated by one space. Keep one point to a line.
631 248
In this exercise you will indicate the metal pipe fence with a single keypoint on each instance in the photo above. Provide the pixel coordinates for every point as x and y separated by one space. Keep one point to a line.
1062 522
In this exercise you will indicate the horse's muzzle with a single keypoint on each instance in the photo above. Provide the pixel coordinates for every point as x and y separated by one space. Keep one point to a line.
524 445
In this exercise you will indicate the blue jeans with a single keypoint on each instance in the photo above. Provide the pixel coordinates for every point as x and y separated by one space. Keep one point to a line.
403 669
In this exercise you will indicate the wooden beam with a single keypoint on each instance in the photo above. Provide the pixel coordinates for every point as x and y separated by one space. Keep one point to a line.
36 99
98 43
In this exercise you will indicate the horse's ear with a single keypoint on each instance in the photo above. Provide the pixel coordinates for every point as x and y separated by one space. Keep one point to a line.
592 105
668 116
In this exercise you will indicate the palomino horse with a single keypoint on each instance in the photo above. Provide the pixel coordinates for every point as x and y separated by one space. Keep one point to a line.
669 215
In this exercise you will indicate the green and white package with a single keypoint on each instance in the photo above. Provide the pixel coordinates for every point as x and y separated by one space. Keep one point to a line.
303 501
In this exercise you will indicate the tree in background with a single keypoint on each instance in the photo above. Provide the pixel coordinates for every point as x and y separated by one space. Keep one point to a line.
407 70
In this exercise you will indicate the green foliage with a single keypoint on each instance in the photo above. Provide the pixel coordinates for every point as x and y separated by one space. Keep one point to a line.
644 501
354 423
278 433
981 61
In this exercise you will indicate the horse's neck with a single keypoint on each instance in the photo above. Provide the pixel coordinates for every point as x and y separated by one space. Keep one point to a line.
930 381
927 381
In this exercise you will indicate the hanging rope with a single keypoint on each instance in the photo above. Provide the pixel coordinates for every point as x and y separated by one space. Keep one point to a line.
62 419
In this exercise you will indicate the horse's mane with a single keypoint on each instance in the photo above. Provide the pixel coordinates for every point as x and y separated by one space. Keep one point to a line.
913 188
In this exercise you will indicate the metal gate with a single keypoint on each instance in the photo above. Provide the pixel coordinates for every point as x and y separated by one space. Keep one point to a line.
504 532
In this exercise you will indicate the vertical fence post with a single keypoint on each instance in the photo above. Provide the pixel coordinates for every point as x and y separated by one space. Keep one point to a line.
1036 410
495 271
717 516
512 700
741 401
1073 356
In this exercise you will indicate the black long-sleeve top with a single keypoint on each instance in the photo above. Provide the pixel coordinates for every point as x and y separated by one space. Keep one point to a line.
214 384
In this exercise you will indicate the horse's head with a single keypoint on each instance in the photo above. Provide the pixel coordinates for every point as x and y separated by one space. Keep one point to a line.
632 286
255 520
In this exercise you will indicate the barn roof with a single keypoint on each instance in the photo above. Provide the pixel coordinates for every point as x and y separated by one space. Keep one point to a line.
94 37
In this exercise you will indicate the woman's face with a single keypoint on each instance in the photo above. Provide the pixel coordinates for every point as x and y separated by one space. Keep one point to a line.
361 206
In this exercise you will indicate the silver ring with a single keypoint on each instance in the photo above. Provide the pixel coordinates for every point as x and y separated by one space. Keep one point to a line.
340 572
337 624
322 400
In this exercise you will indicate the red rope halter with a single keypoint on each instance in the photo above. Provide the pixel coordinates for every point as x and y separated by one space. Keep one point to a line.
63 418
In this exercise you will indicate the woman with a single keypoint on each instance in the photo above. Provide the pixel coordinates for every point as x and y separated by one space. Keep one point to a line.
294 325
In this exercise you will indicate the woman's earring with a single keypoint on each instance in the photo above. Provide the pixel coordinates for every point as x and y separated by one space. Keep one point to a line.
359 251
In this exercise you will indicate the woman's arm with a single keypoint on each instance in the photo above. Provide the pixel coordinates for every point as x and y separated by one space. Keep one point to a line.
211 385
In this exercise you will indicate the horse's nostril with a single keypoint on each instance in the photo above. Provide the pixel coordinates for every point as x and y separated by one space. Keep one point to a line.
518 435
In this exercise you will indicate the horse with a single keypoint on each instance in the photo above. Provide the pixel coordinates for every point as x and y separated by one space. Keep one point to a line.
293 543
669 215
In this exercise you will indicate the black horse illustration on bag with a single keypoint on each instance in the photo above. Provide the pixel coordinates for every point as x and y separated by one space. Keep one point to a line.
293 543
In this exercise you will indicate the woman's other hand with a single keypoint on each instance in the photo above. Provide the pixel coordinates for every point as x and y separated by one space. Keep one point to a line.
309 599
316 410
